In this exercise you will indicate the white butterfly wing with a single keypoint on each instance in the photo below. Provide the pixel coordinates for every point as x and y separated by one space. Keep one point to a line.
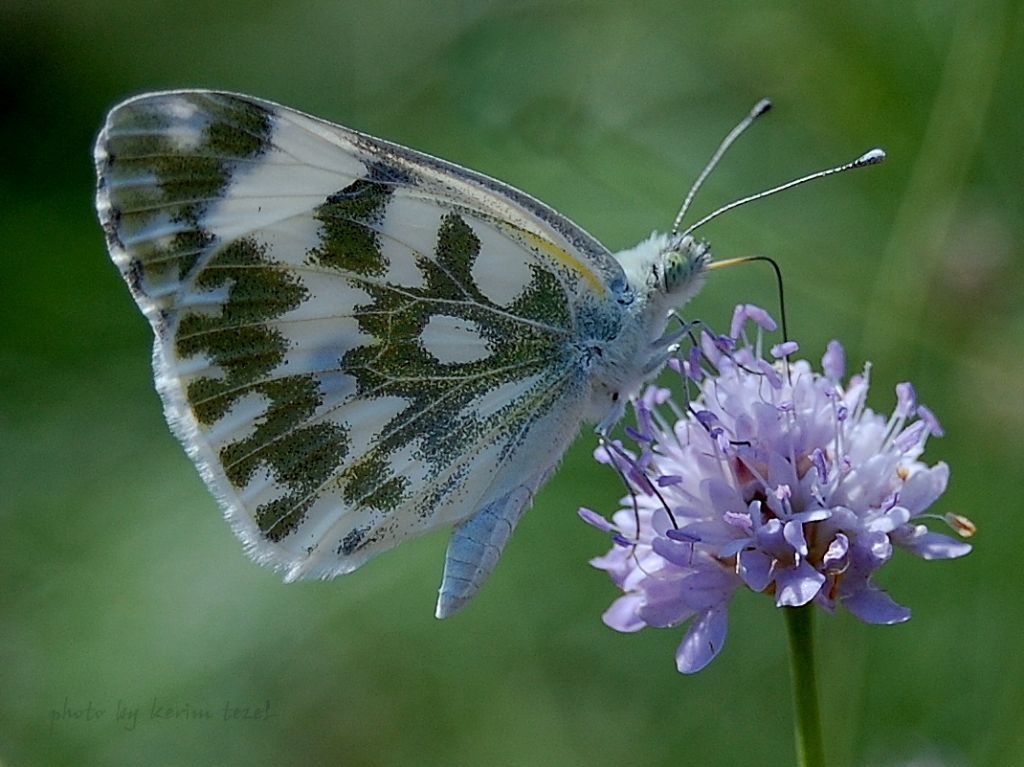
355 342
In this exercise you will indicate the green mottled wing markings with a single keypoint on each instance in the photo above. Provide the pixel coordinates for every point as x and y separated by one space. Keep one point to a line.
350 220
240 343
457 248
368 483
167 161
171 158
302 457
236 340
525 339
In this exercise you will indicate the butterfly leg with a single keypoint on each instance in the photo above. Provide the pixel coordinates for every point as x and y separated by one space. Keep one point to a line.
475 547
668 344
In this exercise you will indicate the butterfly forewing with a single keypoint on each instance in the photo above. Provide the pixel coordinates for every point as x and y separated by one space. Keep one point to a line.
355 342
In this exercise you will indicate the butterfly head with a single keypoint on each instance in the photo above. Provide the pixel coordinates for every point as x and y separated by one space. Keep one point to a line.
681 264
664 271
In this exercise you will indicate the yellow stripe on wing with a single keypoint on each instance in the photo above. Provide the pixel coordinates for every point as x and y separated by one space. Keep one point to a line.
563 256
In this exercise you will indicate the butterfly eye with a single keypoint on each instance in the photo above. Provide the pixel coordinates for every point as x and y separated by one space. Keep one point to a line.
683 262
677 270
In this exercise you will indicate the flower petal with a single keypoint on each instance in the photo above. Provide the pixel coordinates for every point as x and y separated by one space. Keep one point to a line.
732 548
755 314
934 546
906 398
623 615
669 601
835 557
755 568
793 532
703 641
934 427
679 553
872 605
785 349
924 487
890 520
834 361
594 519
797 585
666 602
910 437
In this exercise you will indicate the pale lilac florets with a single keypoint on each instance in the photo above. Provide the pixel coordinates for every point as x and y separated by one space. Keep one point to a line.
773 477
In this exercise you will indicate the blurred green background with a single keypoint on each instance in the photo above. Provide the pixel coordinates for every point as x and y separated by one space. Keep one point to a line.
122 588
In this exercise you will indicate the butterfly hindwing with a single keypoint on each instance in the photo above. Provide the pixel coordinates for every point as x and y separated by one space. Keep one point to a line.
355 342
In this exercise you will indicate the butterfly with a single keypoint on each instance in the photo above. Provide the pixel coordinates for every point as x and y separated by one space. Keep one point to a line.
357 343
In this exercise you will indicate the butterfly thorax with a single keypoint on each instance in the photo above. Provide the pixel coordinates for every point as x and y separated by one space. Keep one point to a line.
662 273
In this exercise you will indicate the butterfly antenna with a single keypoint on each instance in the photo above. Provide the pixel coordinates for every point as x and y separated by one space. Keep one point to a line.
759 109
871 157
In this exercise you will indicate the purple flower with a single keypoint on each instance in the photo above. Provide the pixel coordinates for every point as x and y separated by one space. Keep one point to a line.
776 479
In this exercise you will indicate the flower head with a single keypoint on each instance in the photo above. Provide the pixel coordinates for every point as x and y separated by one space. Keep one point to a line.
773 477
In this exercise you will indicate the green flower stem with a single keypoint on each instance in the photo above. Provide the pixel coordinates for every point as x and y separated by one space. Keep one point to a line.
810 749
